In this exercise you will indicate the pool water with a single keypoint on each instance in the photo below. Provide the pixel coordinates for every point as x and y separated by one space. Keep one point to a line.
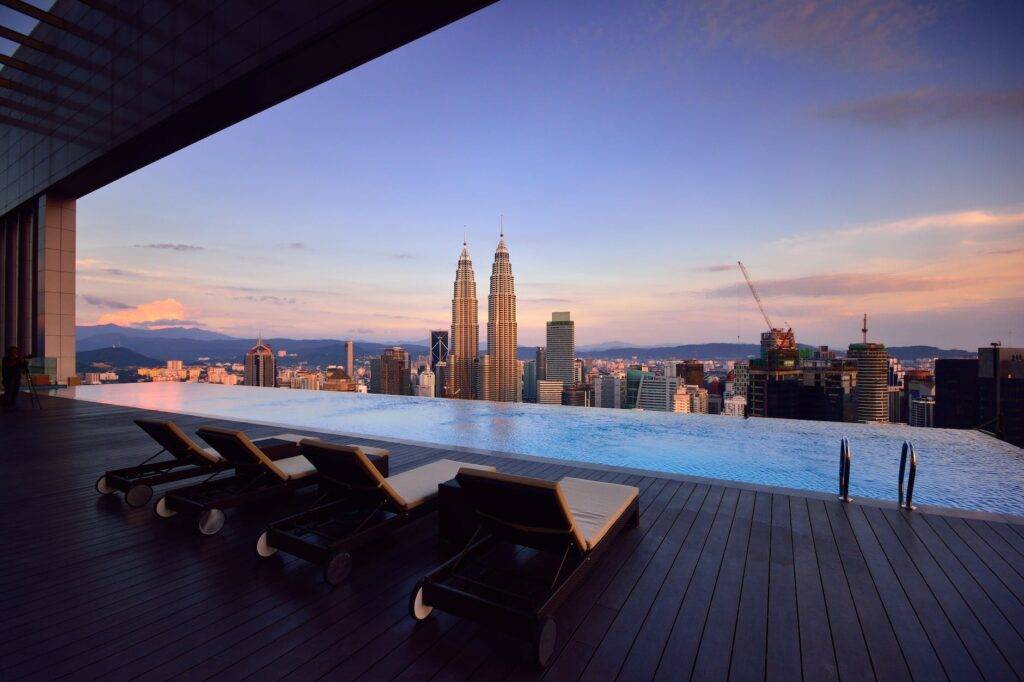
963 469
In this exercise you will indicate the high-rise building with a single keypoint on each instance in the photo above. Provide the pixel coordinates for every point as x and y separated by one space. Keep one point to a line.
389 374
502 330
634 377
663 394
922 412
871 395
578 395
561 349
337 379
530 381
542 363
691 371
260 365
174 365
734 406
465 338
607 391
956 393
698 396
350 359
826 393
425 382
1001 392
549 392
741 379
439 350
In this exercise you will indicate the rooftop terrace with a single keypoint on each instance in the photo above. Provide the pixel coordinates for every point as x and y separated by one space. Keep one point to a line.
719 581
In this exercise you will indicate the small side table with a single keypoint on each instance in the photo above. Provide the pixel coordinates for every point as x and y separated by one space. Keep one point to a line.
456 519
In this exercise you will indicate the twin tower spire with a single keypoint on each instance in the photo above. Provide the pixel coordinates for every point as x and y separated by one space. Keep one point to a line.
494 375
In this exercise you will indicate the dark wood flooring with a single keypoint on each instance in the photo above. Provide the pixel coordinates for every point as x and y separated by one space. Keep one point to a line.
716 583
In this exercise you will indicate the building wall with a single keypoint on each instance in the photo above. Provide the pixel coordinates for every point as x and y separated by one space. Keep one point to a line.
872 393
561 349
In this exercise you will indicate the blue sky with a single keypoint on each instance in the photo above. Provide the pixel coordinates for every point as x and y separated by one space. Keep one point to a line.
857 156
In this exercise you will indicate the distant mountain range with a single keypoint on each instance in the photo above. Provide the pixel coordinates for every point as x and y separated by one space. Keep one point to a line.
103 358
190 343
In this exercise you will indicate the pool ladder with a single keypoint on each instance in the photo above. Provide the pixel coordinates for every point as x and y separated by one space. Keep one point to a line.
844 470
908 452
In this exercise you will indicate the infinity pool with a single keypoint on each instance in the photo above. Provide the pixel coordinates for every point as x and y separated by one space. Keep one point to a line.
955 468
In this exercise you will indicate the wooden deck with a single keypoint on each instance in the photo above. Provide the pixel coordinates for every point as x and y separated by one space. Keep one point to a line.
717 583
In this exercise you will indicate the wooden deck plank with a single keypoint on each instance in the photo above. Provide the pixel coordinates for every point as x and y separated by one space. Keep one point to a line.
717 582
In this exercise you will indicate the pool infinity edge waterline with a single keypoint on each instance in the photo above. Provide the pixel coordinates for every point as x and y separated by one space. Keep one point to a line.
962 469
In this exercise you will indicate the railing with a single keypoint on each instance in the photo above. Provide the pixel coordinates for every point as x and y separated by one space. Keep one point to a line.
908 449
844 470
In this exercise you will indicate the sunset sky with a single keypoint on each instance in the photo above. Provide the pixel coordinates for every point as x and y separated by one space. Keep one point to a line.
856 156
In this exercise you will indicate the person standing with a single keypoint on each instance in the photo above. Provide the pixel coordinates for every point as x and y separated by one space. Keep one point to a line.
14 365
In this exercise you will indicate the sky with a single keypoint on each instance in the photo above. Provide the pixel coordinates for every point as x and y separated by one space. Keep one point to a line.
858 157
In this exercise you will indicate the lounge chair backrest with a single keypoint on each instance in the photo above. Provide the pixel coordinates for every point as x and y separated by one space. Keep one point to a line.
171 438
529 506
349 465
238 450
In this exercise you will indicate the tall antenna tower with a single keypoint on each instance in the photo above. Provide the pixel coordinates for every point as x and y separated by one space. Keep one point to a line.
864 329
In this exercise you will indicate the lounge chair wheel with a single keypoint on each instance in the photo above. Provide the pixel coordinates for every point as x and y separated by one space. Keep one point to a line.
417 609
211 521
161 509
138 496
544 634
102 488
337 568
263 547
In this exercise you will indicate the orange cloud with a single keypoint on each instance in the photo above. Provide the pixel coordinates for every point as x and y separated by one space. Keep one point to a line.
165 312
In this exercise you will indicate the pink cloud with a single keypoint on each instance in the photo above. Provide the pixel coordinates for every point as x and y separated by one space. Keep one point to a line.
165 312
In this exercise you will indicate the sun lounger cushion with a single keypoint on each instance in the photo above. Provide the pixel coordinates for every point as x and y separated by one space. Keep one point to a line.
412 488
295 467
595 505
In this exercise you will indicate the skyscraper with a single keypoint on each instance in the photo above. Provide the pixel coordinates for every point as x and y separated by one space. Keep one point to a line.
542 363
350 359
502 331
561 349
871 395
389 374
260 365
465 338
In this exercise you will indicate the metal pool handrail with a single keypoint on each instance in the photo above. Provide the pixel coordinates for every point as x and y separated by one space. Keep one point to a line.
844 470
908 449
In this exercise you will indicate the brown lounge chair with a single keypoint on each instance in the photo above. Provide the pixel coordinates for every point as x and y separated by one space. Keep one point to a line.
357 504
188 460
264 472
574 519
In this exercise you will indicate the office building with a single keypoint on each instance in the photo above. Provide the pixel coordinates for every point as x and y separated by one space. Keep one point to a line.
922 412
734 406
664 394
634 377
578 395
1001 392
871 395
465 337
691 372
549 392
607 391
337 379
827 390
502 330
956 393
350 359
425 382
542 363
439 350
561 349
530 381
741 379
698 398
260 365
389 373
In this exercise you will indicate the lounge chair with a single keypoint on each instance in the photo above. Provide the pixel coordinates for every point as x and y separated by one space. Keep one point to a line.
357 505
264 471
574 519
188 460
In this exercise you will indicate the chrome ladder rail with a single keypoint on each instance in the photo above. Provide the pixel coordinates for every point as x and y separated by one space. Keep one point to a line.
908 452
844 470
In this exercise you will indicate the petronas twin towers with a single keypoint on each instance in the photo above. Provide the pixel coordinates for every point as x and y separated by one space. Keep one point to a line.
494 375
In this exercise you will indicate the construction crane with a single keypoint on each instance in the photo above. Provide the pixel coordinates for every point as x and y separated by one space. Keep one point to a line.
757 298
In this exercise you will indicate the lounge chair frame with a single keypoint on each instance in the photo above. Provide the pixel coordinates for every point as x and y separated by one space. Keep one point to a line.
511 612
137 482
251 483
351 516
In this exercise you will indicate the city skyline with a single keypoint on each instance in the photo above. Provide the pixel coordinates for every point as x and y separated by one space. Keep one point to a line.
872 171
